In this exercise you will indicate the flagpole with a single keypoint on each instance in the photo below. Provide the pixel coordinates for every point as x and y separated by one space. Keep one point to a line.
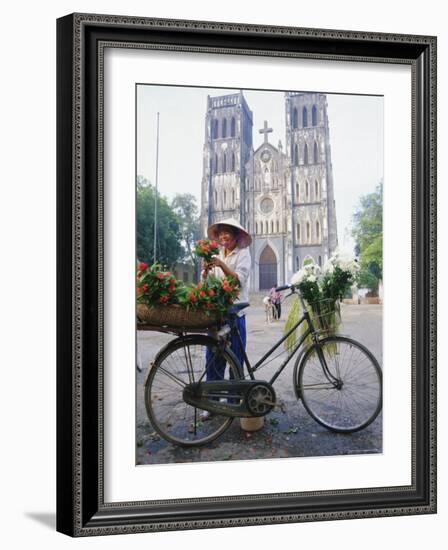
155 199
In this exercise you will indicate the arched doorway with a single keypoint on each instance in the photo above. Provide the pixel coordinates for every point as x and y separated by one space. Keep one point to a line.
268 269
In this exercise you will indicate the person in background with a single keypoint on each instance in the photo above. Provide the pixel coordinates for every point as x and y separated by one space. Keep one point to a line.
276 299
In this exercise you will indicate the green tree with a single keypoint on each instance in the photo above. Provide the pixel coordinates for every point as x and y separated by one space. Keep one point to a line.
169 247
186 209
368 234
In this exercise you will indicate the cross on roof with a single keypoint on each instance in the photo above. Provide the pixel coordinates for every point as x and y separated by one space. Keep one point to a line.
265 130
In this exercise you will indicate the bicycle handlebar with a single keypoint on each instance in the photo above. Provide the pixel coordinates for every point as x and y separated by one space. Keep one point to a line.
284 287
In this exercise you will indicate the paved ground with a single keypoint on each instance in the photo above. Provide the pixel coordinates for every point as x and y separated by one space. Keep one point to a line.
288 431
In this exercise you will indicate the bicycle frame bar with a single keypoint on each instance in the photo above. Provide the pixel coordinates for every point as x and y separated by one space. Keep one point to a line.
251 370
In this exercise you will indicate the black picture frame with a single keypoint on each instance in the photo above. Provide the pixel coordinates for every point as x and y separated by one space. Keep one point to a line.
81 510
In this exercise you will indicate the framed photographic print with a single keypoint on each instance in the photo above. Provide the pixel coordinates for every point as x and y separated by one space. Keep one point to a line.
246 274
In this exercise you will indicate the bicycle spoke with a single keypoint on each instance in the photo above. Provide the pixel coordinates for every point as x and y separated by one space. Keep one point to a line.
356 400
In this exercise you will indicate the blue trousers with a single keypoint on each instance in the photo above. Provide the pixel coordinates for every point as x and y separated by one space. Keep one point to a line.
216 369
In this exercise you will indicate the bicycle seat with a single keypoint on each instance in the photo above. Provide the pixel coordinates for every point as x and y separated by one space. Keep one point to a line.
235 308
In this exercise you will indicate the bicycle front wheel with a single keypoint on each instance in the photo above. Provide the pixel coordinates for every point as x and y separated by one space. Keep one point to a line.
340 384
183 362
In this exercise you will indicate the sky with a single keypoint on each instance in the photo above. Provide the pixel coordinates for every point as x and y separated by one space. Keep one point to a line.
356 139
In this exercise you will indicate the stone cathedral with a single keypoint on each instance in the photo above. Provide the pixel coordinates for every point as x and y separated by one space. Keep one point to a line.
282 195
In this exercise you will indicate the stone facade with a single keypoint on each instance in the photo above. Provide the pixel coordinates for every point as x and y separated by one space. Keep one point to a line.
284 197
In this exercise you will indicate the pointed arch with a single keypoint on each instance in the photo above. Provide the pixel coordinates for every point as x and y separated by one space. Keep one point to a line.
304 117
215 165
314 116
316 190
295 118
224 196
297 191
296 155
298 232
308 232
232 127
233 161
215 124
316 153
224 163
307 191
305 154
317 231
268 263
224 128
278 226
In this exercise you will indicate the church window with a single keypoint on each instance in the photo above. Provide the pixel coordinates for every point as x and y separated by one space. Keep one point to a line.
278 226
233 197
224 198
272 226
215 165
308 232
232 127
307 191
266 228
320 261
304 117
216 198
295 118
296 155
298 232
224 163
317 231
256 228
305 154
215 128
314 115
316 189
297 192
297 262
233 162
316 153
224 128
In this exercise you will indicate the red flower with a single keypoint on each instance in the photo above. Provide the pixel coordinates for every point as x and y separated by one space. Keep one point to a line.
139 290
163 299
145 287
192 297
226 285
202 294
160 275
211 292
142 266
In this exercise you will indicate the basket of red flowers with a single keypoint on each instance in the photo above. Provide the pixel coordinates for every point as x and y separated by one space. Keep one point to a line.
165 302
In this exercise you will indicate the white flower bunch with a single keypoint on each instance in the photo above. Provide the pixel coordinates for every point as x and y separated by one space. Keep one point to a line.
343 260
309 272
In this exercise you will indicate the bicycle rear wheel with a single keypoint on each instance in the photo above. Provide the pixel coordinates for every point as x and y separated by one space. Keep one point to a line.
182 362
347 397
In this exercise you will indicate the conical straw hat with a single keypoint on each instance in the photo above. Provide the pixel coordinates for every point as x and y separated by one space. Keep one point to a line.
244 239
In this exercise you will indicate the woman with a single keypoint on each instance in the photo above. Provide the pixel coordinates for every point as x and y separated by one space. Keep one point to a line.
233 260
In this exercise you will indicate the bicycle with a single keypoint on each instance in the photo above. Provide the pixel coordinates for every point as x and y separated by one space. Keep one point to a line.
337 379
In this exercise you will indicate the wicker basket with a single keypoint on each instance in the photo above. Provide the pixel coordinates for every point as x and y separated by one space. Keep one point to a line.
174 316
326 315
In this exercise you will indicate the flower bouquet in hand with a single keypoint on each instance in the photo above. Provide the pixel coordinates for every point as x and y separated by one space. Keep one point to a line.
206 249
156 286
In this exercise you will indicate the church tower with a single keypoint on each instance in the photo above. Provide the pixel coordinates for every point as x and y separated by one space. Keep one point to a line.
227 148
313 223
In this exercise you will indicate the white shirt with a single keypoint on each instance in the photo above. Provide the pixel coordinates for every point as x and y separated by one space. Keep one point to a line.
239 261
